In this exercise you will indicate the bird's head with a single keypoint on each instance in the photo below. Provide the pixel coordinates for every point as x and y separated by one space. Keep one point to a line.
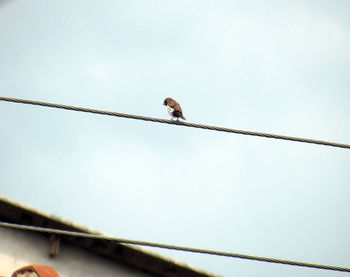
166 101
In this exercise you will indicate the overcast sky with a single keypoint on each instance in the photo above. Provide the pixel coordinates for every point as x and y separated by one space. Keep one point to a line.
271 66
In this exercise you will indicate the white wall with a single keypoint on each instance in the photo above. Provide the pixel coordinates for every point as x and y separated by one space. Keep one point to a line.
20 248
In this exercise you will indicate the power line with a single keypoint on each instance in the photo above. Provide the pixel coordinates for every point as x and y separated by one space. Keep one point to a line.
172 247
174 122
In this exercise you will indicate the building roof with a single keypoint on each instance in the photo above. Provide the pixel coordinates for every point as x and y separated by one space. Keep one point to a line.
138 257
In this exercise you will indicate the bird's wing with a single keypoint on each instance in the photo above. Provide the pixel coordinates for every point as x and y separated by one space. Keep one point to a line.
174 105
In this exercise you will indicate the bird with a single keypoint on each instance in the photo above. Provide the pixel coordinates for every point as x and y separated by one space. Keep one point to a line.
173 108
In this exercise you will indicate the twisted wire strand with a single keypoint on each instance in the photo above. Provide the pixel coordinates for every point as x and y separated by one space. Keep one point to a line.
172 247
174 122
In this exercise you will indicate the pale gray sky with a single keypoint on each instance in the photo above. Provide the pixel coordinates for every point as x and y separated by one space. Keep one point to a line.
273 66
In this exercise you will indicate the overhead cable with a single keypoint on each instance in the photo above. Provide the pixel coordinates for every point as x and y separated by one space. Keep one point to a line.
174 122
172 247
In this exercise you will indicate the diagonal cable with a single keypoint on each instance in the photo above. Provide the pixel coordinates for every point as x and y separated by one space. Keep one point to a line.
173 122
172 247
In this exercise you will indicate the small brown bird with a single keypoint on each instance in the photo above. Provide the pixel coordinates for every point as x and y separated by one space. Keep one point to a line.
173 108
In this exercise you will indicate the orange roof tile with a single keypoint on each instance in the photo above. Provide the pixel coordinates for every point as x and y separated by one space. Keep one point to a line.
41 270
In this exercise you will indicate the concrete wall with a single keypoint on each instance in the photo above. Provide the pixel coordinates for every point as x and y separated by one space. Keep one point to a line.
20 248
